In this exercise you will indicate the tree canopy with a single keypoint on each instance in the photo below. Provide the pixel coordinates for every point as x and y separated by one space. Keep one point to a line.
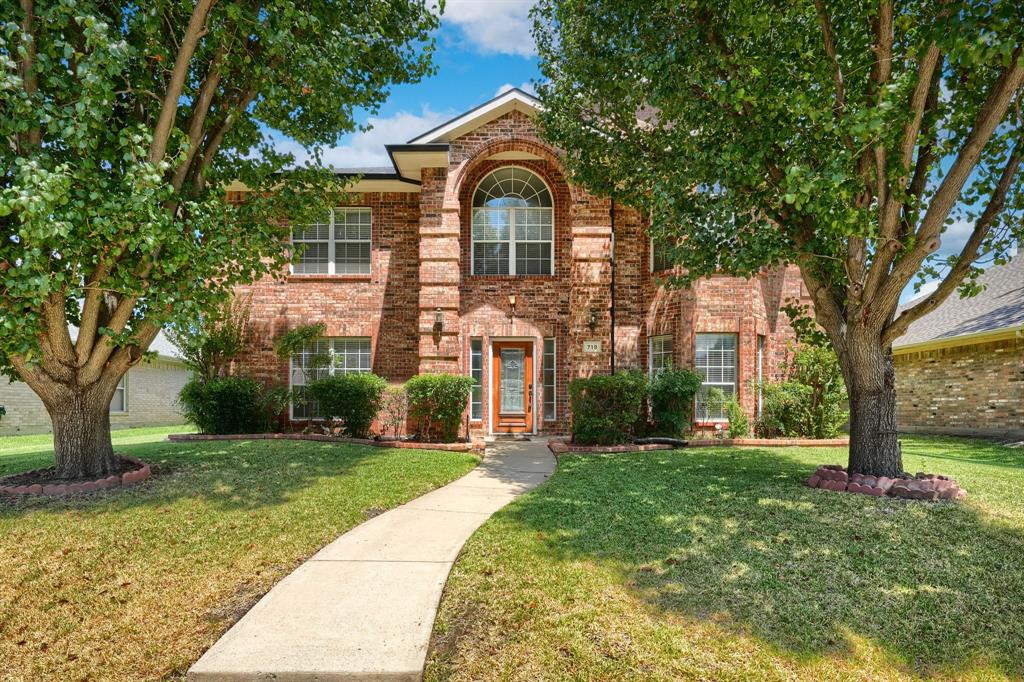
123 124
850 138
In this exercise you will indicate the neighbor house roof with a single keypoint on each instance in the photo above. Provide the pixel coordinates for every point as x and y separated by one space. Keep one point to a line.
999 308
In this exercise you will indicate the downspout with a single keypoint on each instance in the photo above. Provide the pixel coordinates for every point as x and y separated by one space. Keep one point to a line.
612 310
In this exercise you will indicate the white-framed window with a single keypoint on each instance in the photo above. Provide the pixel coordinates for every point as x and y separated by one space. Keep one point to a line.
339 244
660 258
715 361
322 358
548 376
119 403
513 224
660 355
476 371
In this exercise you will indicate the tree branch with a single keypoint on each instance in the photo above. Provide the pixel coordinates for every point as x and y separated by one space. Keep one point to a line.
169 109
27 65
927 238
197 120
965 260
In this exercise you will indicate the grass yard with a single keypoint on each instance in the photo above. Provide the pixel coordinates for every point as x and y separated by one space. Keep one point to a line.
716 564
135 585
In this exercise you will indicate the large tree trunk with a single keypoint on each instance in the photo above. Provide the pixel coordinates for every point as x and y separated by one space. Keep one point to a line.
871 385
81 430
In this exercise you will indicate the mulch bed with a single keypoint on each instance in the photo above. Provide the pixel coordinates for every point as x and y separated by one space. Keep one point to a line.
127 472
324 438
920 487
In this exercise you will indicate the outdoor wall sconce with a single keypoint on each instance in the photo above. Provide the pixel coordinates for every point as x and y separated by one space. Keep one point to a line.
512 306
593 319
438 321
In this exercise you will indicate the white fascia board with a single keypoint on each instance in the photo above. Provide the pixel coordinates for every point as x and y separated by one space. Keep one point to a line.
512 100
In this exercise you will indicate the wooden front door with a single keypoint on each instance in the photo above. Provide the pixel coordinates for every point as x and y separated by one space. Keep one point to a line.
512 377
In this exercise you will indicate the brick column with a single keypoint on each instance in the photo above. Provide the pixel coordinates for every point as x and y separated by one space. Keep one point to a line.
439 275
590 287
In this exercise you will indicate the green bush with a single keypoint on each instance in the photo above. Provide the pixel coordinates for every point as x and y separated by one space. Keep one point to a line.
436 404
228 405
672 392
607 408
353 398
739 424
810 402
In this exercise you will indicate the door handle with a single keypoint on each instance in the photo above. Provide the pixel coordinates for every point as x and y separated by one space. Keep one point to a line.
529 393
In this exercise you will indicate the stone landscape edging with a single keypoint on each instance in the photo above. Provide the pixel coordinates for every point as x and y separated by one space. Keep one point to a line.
323 438
563 447
923 486
127 479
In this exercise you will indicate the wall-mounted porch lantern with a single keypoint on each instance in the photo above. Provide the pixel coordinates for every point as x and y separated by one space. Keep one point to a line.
438 320
512 306
593 319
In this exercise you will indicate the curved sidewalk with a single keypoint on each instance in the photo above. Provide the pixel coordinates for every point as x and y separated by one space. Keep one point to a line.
363 607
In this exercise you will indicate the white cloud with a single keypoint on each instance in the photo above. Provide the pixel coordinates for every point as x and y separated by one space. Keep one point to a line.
526 86
367 148
494 26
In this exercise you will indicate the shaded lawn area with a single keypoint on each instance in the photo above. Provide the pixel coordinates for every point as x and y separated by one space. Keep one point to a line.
136 584
718 564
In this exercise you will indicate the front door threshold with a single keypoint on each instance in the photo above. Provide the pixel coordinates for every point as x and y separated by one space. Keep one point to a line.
506 437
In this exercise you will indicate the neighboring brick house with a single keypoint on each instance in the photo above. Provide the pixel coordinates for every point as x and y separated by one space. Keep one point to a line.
146 396
960 369
475 255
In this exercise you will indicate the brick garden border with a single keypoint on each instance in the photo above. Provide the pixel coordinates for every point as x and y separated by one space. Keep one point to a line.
921 487
127 479
562 446
323 438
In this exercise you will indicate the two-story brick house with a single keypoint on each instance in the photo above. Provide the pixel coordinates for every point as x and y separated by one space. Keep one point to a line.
473 254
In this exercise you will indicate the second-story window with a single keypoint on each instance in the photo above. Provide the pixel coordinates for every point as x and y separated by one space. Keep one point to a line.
513 224
339 244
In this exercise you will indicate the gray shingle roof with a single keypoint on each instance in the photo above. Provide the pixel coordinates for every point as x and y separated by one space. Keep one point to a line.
999 306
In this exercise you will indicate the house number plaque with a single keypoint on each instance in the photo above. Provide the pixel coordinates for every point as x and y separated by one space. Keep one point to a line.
591 346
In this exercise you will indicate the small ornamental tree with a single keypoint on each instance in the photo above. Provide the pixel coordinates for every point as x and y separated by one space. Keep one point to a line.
122 126
844 137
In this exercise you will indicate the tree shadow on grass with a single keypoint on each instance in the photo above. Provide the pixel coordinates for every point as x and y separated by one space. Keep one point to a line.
229 475
732 536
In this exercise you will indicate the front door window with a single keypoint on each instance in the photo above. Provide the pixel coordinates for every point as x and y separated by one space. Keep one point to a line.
512 393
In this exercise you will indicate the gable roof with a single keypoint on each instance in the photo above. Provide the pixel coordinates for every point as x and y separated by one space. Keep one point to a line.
999 308
510 100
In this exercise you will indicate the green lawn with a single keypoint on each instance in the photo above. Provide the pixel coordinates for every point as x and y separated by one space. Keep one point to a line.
136 584
717 564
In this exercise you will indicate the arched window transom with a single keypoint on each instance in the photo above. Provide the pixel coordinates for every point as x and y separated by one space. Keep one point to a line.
513 224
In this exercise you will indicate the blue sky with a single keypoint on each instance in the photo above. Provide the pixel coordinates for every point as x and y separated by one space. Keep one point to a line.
483 48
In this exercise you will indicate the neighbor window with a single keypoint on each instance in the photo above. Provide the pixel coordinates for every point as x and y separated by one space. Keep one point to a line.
339 244
322 358
119 403
512 225
715 361
550 412
476 371
661 354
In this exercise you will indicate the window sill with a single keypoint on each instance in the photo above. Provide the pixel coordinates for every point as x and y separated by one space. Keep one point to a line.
513 278
329 278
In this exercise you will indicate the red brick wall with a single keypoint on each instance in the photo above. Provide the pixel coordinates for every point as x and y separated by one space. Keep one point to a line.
968 390
421 262
349 305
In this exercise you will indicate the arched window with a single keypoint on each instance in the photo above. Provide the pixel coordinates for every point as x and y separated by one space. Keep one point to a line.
513 224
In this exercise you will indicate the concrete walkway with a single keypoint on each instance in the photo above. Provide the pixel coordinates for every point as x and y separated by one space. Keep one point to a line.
363 607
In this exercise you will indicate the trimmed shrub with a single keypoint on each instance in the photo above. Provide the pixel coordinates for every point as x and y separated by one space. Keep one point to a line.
227 405
353 398
672 392
436 404
607 408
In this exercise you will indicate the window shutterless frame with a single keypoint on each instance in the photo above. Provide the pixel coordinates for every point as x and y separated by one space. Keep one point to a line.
340 355
512 224
339 245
